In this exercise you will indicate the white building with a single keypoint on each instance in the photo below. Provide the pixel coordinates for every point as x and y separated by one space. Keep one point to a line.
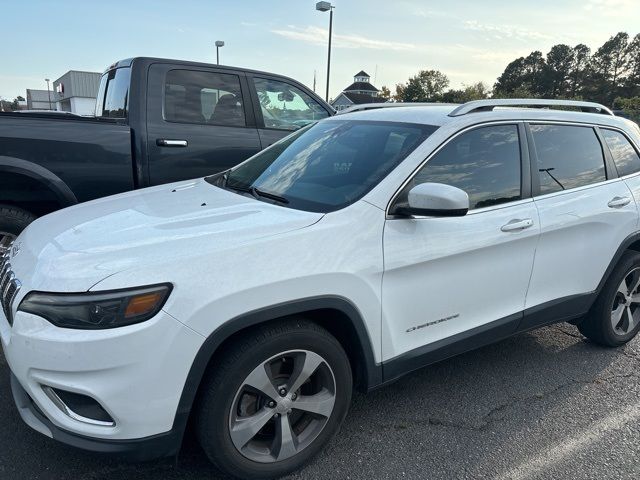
76 92
40 100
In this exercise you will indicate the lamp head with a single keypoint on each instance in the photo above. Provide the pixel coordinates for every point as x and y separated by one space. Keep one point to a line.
323 6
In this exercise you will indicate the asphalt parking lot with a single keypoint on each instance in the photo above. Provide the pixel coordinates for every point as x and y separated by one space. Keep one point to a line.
543 405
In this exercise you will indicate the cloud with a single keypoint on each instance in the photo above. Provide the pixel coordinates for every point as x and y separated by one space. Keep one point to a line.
320 36
434 14
611 8
503 32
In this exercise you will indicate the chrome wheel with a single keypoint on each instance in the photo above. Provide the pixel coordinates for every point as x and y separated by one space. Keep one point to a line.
624 311
282 406
5 240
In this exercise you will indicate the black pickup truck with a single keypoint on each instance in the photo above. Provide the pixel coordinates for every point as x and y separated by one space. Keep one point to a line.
157 121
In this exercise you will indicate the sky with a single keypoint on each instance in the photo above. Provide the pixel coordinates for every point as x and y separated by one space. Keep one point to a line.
468 40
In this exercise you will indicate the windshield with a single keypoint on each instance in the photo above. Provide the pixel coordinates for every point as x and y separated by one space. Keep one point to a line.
326 166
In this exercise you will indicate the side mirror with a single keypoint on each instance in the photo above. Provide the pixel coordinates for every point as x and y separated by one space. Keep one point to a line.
436 200
286 96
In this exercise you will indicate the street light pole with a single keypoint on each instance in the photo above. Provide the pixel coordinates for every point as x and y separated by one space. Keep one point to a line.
219 43
48 92
327 7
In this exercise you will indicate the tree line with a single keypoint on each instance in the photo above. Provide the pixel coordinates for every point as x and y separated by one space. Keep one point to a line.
10 105
610 75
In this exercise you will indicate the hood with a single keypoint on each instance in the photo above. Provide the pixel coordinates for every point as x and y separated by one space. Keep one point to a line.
75 248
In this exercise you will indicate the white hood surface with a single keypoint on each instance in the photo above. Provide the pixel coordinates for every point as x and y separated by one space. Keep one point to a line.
73 249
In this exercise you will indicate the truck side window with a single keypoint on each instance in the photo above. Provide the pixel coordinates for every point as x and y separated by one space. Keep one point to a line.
204 98
114 99
286 107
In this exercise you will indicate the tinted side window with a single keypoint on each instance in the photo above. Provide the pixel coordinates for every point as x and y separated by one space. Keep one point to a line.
568 157
624 155
116 96
484 162
286 107
204 98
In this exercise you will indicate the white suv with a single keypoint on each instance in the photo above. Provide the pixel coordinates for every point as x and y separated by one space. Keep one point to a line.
348 254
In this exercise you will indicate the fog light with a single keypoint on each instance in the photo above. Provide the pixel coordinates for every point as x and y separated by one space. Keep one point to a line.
79 407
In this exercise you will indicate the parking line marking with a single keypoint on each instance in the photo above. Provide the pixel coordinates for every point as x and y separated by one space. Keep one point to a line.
560 451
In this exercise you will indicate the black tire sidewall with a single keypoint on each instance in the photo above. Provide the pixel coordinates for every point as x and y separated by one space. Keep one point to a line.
213 424
14 220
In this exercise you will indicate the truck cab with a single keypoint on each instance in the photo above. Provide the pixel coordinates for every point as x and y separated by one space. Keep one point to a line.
156 121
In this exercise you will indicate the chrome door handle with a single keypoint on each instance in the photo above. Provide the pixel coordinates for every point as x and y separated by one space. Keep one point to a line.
617 202
517 225
165 142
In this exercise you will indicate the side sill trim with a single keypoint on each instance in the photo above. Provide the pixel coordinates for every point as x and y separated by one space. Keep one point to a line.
560 310
450 347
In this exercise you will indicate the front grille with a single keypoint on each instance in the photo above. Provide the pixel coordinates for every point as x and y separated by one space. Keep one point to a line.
9 285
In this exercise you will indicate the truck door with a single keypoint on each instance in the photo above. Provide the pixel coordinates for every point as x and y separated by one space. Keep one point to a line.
199 122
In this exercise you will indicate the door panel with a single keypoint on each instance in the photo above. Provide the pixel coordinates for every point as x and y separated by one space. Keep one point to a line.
584 218
444 276
625 158
580 234
203 125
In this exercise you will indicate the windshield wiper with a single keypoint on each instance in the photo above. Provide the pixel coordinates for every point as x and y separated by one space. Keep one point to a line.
256 192
269 195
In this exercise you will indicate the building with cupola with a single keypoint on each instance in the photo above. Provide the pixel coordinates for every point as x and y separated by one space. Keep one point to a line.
359 92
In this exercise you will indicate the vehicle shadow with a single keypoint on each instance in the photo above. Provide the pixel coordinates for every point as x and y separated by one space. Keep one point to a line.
450 410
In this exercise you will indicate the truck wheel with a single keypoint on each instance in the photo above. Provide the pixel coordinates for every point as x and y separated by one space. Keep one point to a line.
274 400
614 318
12 221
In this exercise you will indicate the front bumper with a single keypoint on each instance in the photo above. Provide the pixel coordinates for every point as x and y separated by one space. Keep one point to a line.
136 373
141 449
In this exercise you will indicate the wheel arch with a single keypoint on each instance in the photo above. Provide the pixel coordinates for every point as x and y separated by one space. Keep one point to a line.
632 242
337 314
48 186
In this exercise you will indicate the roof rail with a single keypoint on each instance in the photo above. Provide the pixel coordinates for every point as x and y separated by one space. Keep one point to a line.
372 106
490 104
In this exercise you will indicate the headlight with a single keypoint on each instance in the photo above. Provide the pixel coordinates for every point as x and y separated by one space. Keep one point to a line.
100 310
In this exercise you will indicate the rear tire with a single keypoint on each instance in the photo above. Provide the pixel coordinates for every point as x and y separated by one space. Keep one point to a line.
13 220
253 424
614 318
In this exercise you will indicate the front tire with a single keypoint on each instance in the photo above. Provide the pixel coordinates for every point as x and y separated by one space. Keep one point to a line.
614 318
275 400
12 221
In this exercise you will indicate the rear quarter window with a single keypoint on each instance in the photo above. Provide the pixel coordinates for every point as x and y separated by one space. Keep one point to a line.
114 93
624 154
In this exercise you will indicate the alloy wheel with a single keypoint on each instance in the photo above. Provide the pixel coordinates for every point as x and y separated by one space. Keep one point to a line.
282 406
625 312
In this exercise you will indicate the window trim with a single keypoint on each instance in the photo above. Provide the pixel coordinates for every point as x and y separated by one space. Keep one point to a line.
258 107
610 171
525 169
631 142
249 119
